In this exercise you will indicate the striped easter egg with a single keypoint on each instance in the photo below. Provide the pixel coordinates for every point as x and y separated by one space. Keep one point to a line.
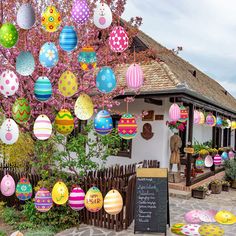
217 160
43 200
174 112
113 202
103 122
64 122
183 114
134 77
42 127
76 199
43 89
68 39
24 189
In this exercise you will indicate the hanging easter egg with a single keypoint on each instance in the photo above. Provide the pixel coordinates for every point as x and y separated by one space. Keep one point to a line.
106 80
43 89
176 228
7 185
127 126
9 83
25 16
8 35
25 63
68 39
219 121
183 114
217 160
102 16
80 11
202 118
68 84
113 202
229 124
134 77
199 164
42 127
224 156
64 122
48 55
208 161
174 112
43 200
103 122
60 193
118 39
76 199
210 120
51 19
21 110
231 155
87 58
84 107
9 132
233 125
196 117
24 189
93 200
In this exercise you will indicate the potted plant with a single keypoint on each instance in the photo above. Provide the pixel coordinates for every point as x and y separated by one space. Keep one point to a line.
216 186
220 150
212 151
199 192
203 153
175 126
230 171
225 185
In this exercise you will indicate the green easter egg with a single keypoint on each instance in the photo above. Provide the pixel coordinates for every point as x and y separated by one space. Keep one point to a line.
21 110
8 35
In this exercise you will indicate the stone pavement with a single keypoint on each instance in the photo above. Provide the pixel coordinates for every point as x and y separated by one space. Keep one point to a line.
178 207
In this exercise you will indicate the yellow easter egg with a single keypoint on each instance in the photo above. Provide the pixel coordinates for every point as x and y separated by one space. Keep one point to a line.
176 228
51 19
210 230
93 200
60 193
68 84
202 118
225 217
64 122
84 107
113 202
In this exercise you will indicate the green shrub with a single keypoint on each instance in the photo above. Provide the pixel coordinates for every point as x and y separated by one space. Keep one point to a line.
11 216
2 233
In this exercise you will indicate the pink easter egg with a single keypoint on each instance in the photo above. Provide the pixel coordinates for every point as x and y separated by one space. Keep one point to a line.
8 185
217 160
174 112
9 83
193 216
76 199
196 117
134 76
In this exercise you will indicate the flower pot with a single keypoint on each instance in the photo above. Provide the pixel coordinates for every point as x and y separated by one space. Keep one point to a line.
201 194
233 184
215 188
175 131
225 188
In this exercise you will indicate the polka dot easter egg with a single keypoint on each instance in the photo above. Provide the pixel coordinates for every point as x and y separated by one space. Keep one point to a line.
7 186
68 84
42 127
25 63
211 230
43 89
103 122
68 39
106 80
9 83
51 19
24 189
48 55
102 17
21 110
76 199
8 35
64 122
118 39
43 200
25 16
93 200
87 58
9 132
113 202
80 12
60 193
191 230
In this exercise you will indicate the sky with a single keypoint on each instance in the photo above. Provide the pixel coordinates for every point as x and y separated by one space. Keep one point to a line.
206 29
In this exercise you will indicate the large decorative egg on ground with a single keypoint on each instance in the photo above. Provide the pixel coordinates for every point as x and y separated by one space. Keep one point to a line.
76 199
191 229
48 55
25 63
80 11
9 83
68 39
183 114
210 120
118 39
103 122
42 127
219 121
225 217
68 84
7 185
43 200
64 122
176 228
134 77
106 80
127 126
196 117
113 202
210 230
174 112
93 200
60 193
24 189
21 110
217 160
43 89
102 17
87 58
9 132
51 19
25 16
8 35
84 107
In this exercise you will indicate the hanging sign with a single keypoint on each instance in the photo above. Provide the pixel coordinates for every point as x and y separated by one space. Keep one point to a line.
189 150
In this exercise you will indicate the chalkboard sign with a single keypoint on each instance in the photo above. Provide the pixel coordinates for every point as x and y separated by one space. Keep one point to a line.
152 200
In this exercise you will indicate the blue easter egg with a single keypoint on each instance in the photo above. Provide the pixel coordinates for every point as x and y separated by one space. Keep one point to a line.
48 55
68 38
42 88
218 121
106 80
25 63
103 122
224 156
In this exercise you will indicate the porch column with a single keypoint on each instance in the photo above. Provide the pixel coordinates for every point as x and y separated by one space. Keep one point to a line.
235 140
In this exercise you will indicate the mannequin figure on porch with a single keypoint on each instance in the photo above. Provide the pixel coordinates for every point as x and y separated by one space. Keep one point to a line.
175 145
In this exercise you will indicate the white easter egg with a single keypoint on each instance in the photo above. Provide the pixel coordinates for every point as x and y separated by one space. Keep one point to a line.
25 16
102 17
9 83
9 132
42 127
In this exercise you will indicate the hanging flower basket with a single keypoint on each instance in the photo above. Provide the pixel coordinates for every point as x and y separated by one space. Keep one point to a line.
175 126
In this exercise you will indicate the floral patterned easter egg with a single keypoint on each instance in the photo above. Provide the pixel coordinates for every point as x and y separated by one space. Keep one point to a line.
102 17
113 202
103 123
64 122
25 16
43 200
7 186
43 89
21 110
24 189
9 83
51 19
87 58
93 200
42 127
8 35
76 199
9 132
25 63
60 193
